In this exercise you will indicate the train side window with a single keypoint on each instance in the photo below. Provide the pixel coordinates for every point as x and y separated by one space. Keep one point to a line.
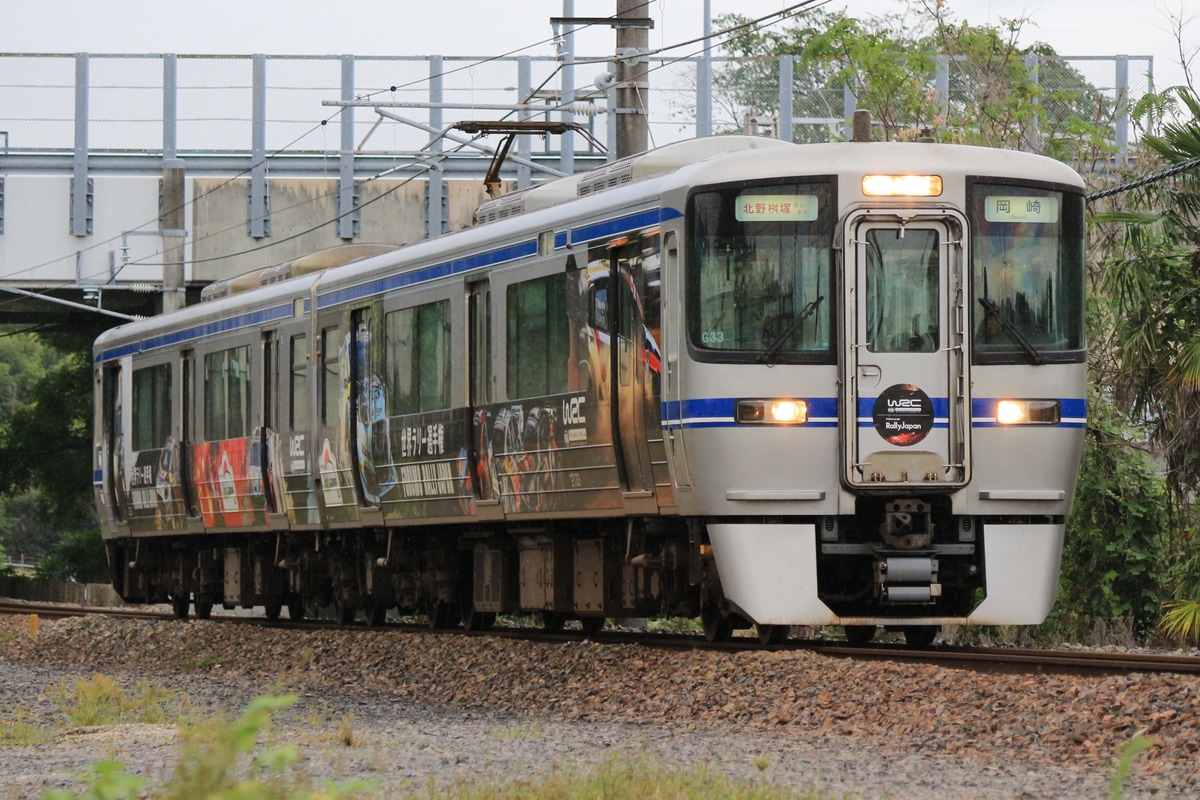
268 372
418 358
481 346
598 294
331 376
226 394
539 337
298 402
151 407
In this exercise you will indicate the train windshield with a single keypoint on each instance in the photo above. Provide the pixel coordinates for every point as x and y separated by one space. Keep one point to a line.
759 272
1027 273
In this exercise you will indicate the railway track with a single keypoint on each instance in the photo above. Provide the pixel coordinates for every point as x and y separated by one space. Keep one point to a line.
978 659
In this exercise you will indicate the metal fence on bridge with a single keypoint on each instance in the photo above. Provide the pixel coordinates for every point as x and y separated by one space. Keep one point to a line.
258 117
142 106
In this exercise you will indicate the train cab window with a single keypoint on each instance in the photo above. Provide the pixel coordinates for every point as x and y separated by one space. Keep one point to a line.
1027 273
227 394
298 401
538 337
418 359
151 407
759 272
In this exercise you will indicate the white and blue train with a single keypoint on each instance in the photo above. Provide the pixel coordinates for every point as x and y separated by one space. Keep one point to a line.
760 383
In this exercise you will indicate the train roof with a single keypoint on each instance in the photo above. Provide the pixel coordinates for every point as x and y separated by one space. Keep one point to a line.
615 188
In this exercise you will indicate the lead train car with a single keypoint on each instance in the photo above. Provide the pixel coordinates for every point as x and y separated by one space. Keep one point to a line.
757 382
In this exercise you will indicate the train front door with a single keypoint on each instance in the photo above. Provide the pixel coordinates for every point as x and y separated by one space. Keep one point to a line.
906 420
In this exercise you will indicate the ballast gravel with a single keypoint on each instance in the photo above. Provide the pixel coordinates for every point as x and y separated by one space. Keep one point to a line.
422 707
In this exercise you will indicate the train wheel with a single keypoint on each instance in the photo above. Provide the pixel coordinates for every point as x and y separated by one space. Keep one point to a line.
920 635
591 625
180 604
273 610
859 635
204 609
717 628
553 621
773 634
473 620
343 613
295 607
479 620
439 615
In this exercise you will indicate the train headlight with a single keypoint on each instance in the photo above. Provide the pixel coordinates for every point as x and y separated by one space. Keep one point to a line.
902 185
1028 412
783 411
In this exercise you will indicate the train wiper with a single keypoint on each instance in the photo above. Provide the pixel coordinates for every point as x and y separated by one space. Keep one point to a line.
768 355
993 311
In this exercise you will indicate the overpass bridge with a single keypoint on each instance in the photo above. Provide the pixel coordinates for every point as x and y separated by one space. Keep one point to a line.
130 181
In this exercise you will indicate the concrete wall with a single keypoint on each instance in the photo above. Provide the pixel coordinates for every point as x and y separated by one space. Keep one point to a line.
37 249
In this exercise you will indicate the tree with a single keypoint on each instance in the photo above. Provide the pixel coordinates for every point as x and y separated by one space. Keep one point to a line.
891 64
78 556
1152 287
47 443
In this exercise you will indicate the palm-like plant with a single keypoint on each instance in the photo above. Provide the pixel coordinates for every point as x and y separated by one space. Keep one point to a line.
1153 285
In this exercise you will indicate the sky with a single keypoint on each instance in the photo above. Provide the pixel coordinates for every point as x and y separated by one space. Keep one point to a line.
501 27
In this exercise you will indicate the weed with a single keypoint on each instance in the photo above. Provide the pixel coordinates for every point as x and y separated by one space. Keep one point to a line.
345 731
202 664
101 701
212 765
620 775
20 730
1129 753
108 781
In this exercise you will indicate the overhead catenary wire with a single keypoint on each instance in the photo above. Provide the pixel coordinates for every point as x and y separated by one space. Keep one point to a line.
730 33
265 160
1146 180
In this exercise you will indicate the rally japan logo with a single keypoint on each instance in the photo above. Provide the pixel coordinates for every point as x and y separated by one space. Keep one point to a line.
903 414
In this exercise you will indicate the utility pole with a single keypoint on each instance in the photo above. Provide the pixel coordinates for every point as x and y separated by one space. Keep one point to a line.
633 85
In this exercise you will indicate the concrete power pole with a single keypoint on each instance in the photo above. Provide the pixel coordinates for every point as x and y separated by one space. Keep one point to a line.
174 221
633 85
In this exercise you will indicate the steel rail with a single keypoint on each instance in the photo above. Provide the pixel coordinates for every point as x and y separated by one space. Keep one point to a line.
980 659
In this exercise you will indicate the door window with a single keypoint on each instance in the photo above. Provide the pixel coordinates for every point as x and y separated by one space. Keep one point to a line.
902 291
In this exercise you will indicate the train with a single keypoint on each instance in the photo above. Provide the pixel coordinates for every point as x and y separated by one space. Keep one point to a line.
757 383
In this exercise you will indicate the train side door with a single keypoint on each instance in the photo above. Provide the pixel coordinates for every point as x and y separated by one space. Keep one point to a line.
634 358
111 487
905 418
481 392
295 458
672 310
266 436
335 467
366 400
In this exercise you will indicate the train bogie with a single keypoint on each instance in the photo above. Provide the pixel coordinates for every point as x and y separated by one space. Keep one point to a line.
758 383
